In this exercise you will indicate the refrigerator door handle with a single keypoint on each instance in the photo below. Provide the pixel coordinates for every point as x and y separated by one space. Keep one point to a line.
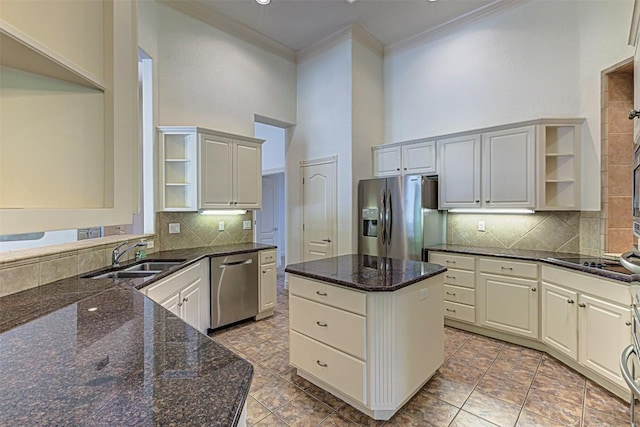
381 215
389 216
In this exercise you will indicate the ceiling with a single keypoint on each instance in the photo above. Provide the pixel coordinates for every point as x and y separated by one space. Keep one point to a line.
297 24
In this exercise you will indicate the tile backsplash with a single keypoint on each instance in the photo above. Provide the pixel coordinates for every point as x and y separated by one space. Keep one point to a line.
565 231
198 230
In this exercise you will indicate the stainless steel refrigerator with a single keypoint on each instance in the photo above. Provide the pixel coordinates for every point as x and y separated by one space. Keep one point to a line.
398 216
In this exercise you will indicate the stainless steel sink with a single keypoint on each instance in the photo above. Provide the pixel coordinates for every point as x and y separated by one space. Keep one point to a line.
124 275
153 266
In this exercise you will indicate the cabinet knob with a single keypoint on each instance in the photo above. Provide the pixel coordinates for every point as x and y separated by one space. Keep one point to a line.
570 301
627 323
185 299
264 271
321 324
230 203
534 289
477 201
405 168
324 365
179 304
397 169
487 201
582 305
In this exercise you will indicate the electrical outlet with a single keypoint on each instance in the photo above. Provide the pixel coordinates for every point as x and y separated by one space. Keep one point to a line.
174 227
424 293
246 225
480 225
150 244
221 226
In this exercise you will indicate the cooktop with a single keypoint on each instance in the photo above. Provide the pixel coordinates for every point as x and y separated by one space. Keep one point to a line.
605 264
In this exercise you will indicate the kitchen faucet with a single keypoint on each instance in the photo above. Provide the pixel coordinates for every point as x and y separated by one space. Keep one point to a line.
117 255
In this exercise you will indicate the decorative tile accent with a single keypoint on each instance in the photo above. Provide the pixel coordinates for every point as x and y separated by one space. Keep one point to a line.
201 230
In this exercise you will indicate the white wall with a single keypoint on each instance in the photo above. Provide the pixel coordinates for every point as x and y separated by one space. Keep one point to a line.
323 129
273 147
541 59
208 78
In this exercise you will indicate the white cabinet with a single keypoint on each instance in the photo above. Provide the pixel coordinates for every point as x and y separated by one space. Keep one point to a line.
492 170
586 318
230 172
459 166
508 296
268 283
206 169
459 285
405 159
186 294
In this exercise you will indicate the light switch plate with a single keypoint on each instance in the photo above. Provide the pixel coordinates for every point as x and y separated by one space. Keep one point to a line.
221 226
480 225
174 227
246 225
150 244
424 293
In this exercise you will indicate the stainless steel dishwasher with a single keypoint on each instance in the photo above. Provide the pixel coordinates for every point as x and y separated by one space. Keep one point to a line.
234 288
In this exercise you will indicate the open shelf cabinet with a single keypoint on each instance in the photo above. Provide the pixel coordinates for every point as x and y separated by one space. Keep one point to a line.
177 170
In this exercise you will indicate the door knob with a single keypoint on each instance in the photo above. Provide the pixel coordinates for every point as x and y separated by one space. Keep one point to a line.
633 114
326 240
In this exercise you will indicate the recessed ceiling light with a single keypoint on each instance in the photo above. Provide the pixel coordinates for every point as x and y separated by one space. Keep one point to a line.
263 2
93 309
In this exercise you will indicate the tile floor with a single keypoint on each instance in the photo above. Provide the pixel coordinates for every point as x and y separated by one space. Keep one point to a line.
483 382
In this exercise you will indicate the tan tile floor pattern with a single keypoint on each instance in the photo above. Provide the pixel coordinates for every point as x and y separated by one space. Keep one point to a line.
483 382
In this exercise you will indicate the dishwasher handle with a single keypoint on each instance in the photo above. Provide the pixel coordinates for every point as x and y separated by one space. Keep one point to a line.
236 263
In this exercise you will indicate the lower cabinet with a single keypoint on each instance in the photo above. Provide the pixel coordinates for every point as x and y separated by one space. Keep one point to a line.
459 285
591 330
506 302
268 283
186 294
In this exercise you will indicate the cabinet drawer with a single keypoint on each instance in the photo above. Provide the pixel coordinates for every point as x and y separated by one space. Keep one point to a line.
460 278
461 295
335 296
338 328
267 257
509 268
462 312
335 368
172 284
453 261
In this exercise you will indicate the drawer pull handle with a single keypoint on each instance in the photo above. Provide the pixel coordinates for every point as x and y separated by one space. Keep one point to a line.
322 294
506 268
324 365
450 262
321 324
450 277
582 305
627 323
451 293
450 310
570 301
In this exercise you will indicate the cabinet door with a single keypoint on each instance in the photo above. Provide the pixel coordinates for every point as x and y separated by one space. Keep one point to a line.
603 335
215 172
508 168
194 303
419 158
509 304
459 182
560 319
247 172
172 303
386 161
268 287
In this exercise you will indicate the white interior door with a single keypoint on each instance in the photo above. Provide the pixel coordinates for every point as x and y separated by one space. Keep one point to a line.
267 217
319 210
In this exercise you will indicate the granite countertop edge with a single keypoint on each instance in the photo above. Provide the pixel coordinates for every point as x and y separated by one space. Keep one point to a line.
547 257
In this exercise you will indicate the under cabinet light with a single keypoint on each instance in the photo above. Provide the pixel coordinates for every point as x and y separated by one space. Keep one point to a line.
263 2
492 211
224 212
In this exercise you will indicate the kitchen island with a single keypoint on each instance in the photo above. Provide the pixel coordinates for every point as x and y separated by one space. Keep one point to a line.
367 329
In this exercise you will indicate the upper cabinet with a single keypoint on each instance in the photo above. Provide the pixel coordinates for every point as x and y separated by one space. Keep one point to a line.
491 170
404 159
68 90
206 169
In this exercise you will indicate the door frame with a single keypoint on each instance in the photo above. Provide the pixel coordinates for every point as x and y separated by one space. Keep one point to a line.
315 162
281 198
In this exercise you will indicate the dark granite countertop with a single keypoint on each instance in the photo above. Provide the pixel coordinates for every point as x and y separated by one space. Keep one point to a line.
129 362
534 255
366 272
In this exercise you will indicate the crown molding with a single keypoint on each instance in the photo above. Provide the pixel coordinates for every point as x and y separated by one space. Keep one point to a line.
364 37
230 26
324 44
491 9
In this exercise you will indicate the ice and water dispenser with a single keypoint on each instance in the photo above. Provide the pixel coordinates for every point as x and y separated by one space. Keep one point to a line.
370 222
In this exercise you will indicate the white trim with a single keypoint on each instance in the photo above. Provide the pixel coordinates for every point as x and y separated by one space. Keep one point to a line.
364 37
273 171
324 44
489 10
231 26
321 161
635 23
